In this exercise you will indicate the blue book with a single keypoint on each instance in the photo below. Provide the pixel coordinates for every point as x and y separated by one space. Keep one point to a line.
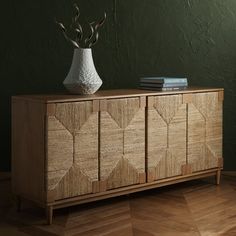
164 89
163 85
162 80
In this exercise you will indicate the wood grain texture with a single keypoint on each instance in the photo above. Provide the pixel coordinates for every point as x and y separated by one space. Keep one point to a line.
204 131
98 149
122 156
194 208
130 189
72 149
221 96
142 102
187 98
187 169
220 162
51 109
166 140
28 146
112 94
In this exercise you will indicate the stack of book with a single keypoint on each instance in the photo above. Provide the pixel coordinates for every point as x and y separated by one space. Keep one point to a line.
163 83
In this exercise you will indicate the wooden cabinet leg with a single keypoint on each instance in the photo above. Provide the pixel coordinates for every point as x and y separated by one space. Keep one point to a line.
19 203
49 214
218 174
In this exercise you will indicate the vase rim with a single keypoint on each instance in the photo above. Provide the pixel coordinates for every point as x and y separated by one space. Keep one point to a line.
83 49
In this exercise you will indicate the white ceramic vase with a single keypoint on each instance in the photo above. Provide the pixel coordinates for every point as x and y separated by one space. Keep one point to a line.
82 77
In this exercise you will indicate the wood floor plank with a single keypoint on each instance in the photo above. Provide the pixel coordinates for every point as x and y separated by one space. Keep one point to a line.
162 214
195 208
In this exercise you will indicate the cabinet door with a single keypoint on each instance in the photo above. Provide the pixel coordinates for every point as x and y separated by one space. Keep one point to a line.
122 142
166 138
72 149
205 130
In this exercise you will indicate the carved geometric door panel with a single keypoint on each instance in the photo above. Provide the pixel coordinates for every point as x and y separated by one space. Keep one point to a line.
72 149
122 142
205 131
166 154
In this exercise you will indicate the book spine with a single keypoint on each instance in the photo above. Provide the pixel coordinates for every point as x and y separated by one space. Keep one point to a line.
164 85
174 88
173 80
163 89
164 80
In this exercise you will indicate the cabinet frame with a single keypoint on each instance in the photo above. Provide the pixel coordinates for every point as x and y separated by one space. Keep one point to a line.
29 114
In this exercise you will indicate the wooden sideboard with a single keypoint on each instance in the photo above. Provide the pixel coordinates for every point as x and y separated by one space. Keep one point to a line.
70 149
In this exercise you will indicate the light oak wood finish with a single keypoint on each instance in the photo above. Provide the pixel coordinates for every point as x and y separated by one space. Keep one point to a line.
122 142
72 150
205 130
184 131
111 94
28 145
166 136
69 150
130 189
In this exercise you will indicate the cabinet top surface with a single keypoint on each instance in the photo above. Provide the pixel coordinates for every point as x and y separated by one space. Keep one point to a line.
106 94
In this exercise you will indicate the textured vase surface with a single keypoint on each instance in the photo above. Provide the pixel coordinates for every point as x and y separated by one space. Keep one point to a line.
82 77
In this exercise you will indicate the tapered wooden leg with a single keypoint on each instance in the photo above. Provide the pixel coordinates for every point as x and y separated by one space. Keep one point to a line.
218 174
19 203
49 214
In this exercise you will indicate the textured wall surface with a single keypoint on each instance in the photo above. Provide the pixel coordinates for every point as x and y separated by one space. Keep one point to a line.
192 38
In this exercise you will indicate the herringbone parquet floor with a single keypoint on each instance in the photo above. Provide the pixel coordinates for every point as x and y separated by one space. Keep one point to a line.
187 209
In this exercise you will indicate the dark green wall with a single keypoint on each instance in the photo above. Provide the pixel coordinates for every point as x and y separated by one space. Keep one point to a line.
193 38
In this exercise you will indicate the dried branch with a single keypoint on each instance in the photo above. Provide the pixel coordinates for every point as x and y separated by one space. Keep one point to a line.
92 33
63 29
77 12
79 33
94 30
101 22
95 40
77 28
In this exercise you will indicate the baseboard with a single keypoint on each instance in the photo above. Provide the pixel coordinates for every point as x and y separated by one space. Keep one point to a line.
229 173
